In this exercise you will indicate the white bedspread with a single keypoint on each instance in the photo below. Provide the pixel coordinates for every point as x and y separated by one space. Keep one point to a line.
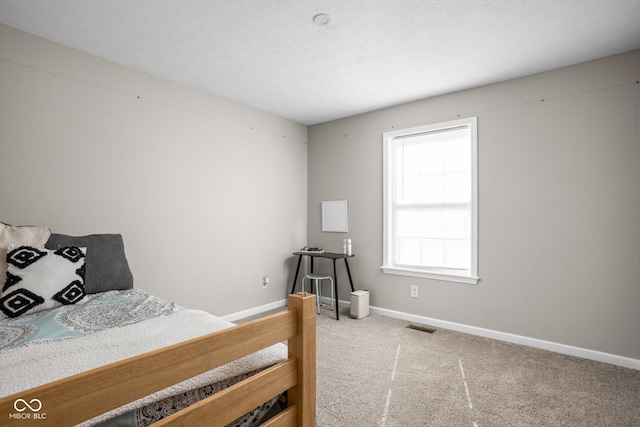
33 365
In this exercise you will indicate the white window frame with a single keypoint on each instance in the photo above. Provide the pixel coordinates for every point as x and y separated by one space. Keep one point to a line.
469 276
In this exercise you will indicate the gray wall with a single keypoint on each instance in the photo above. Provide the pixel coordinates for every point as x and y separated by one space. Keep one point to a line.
209 195
559 206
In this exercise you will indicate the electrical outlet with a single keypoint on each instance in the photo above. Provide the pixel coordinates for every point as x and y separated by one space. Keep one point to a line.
265 282
414 291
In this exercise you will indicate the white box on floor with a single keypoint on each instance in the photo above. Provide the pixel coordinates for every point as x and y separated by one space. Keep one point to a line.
359 304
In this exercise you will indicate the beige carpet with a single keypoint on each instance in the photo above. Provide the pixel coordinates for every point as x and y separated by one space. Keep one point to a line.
377 372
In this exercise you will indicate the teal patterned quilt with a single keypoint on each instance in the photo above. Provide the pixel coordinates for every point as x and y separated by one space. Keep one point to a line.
103 311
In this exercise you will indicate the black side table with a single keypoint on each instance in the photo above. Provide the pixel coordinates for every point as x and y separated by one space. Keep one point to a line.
330 255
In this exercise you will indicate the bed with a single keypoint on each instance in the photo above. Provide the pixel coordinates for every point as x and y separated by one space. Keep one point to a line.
114 355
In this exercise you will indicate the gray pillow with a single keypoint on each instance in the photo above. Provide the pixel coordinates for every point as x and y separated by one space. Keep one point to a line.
106 263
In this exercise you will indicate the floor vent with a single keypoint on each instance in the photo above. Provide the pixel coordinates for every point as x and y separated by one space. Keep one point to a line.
421 328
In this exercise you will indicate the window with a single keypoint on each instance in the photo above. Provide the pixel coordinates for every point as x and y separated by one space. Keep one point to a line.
430 201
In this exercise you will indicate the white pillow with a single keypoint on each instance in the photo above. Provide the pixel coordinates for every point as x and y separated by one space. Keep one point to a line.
40 279
13 236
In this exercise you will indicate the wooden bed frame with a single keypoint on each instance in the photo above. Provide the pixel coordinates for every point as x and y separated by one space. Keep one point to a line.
81 397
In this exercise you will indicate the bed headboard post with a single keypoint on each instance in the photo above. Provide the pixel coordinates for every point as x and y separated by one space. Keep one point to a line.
303 348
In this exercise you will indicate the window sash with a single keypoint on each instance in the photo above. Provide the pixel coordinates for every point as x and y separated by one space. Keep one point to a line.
435 236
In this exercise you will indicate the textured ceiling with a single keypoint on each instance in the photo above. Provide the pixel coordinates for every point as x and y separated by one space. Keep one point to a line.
269 54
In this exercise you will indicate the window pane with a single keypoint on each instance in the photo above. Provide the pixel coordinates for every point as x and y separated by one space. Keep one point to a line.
407 222
431 189
410 158
457 224
410 192
456 151
431 222
456 187
408 251
432 252
430 155
456 254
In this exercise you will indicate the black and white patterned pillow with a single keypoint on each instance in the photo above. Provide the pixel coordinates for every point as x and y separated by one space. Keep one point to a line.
40 279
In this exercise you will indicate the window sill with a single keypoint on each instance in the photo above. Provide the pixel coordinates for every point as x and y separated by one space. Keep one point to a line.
449 277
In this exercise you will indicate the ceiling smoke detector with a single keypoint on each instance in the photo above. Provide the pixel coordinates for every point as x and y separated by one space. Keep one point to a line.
322 19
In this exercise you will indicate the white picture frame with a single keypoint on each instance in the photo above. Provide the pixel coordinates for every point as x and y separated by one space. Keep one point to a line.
335 216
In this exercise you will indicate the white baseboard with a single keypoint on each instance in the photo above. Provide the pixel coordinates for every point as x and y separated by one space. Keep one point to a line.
253 311
598 356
